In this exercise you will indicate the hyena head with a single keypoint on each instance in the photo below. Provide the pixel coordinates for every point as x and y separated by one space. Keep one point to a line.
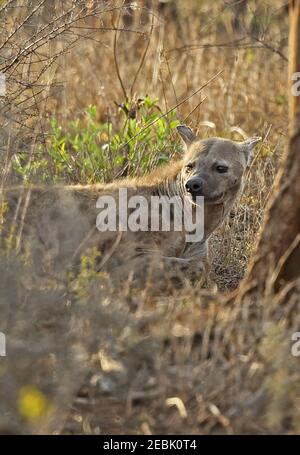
214 167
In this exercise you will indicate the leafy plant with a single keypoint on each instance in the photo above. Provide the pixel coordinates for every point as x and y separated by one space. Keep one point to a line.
88 151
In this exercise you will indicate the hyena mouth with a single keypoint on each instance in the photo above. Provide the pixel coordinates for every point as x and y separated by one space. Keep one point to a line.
217 199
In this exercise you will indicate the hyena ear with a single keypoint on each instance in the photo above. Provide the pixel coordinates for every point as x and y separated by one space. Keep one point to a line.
247 147
186 134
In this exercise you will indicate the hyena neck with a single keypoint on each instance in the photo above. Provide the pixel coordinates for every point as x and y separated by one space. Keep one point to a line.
214 215
166 180
170 187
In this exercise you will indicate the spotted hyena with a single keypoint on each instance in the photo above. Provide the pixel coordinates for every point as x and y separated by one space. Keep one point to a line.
58 223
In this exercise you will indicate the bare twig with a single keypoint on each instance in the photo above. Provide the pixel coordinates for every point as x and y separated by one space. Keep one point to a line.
143 56
174 107
116 60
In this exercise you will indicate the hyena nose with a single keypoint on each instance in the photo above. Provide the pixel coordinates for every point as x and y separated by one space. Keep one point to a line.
194 186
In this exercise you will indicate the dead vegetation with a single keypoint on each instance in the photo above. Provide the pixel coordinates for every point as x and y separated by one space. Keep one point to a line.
83 356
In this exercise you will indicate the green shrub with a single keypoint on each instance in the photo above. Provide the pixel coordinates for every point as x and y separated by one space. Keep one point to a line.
86 151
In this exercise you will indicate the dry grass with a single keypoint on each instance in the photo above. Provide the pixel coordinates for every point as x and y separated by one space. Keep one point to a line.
113 360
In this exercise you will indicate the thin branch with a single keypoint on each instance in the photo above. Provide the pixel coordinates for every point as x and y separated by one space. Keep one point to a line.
111 29
269 46
143 57
26 19
116 60
174 107
238 43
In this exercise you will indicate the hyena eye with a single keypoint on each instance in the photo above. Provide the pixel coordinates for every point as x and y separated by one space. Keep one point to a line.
190 166
221 169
